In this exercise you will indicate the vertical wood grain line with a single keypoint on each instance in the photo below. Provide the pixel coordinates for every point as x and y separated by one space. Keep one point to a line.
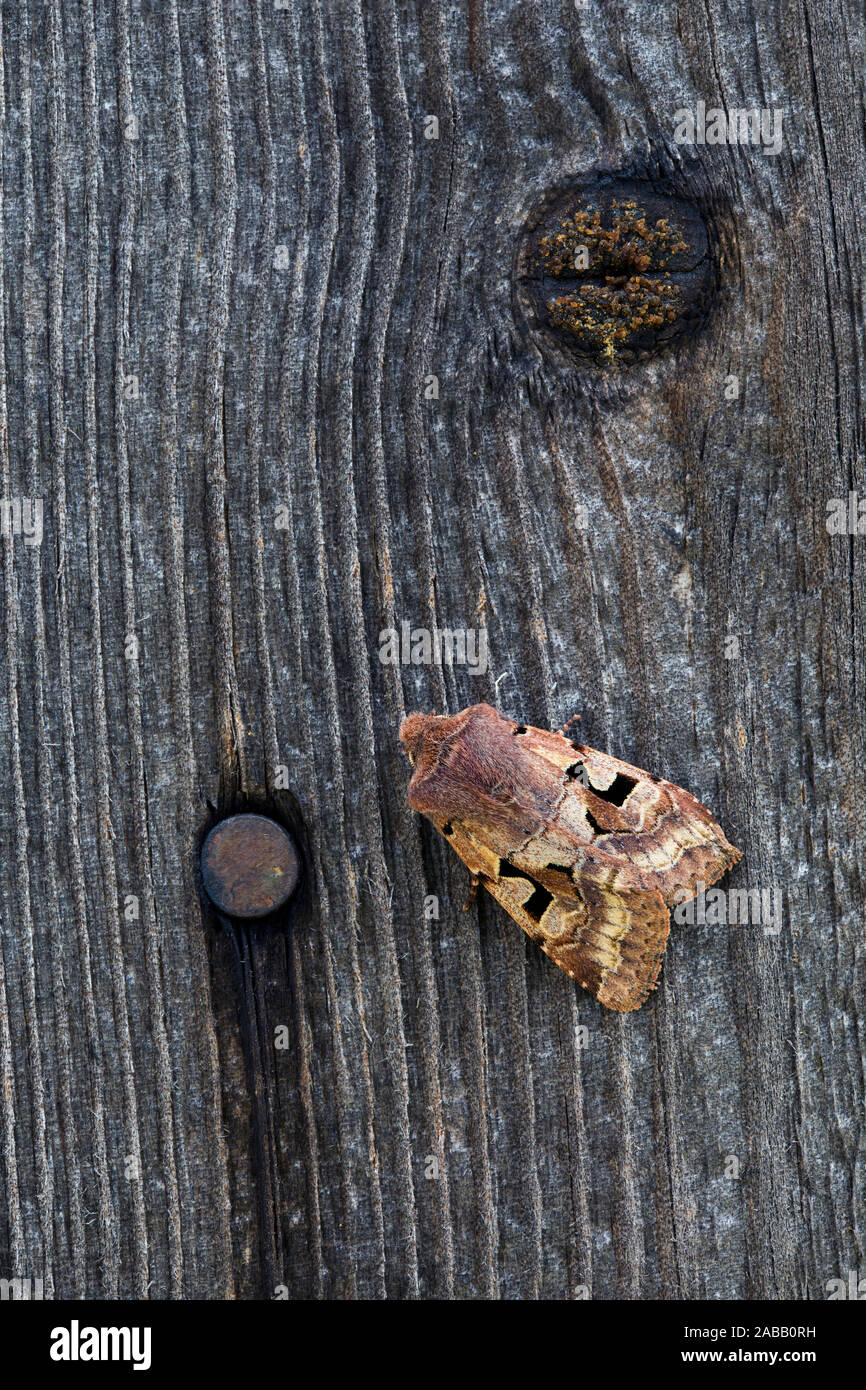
18 1249
103 1198
361 232
149 923
17 1243
421 355
105 831
258 339
305 1048
24 927
395 213
331 183
230 733
68 1157
289 389
177 254
297 397
579 1244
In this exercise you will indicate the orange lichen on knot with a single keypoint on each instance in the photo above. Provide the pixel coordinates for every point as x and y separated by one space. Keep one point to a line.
629 244
604 315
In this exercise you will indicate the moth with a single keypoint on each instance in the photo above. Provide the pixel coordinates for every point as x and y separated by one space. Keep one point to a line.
587 853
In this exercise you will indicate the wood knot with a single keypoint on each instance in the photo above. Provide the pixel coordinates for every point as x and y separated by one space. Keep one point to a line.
613 271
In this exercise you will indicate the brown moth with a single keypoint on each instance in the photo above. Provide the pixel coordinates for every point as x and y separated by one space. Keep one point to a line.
588 854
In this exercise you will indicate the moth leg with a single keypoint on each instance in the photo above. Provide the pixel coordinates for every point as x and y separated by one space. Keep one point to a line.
473 890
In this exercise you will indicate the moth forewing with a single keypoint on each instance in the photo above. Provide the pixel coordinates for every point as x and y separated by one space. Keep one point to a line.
662 831
481 861
611 945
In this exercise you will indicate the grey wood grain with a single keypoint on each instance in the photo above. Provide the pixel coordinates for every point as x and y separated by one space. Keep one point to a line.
231 262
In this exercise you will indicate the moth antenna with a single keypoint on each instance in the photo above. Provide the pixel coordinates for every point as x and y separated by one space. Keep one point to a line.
568 723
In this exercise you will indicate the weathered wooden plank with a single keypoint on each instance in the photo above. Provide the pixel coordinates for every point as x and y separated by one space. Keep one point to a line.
232 262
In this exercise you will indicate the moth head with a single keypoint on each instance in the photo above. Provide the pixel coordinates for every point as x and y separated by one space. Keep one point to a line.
412 733
456 758
424 735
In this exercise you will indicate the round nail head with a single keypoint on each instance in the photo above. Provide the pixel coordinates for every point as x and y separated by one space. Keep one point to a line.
249 866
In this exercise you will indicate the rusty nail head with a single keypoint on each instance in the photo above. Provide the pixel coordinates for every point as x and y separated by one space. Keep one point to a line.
250 866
